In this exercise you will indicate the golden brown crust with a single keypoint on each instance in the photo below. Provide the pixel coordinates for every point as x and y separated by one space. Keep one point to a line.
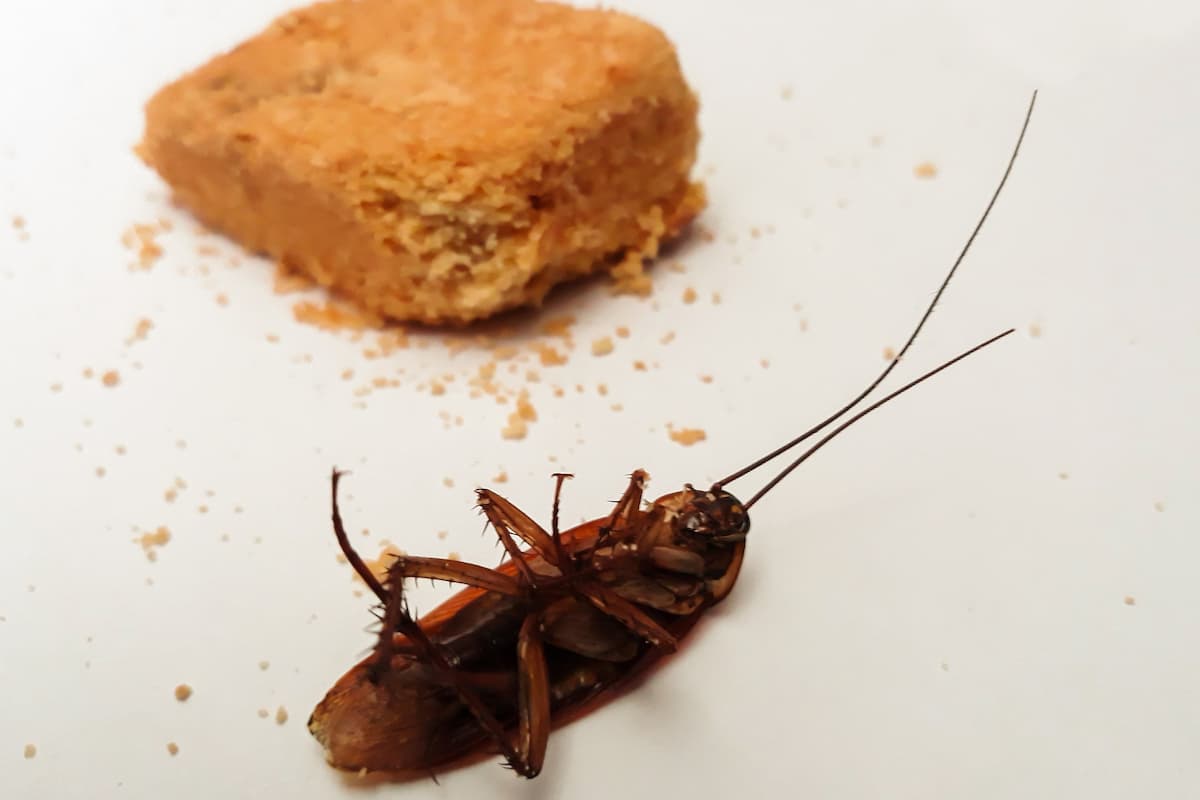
438 160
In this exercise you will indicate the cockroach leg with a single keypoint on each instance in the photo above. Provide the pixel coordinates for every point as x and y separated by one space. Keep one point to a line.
396 618
565 565
628 614
343 541
533 698
445 569
627 505
507 519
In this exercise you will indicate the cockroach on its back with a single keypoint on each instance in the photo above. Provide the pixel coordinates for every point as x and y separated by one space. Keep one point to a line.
544 637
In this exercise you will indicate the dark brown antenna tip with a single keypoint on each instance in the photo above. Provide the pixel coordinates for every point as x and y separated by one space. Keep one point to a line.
1012 159
882 401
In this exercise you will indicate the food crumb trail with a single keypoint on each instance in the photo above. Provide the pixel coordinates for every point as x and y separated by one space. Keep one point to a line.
689 295
183 692
281 715
30 750
602 346
172 748
264 665
263 713
926 169
110 378
1130 600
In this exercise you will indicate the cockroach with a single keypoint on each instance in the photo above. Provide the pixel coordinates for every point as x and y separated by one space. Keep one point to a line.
568 616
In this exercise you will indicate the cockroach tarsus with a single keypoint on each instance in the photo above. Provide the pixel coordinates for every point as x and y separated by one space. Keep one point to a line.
568 616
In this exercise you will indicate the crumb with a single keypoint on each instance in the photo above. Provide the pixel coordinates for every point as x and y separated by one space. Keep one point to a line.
602 389
281 715
558 326
181 444
640 366
504 352
1062 476
18 423
183 692
56 387
333 315
88 373
30 750
1130 600
617 407
18 222
926 169
110 378
172 748
602 346
876 141
689 295
716 298
443 534
140 331
272 338
264 665
203 509
501 477
549 356
785 93
454 555
706 378
667 338
622 332
222 299
1035 330
170 495
263 713
1159 505
143 238
687 436
448 482
101 472
889 354
150 541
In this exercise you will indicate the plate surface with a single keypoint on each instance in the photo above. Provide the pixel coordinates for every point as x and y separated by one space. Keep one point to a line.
986 590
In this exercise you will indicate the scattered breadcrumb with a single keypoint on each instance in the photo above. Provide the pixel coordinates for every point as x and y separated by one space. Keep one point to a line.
87 372
140 331
56 387
263 713
101 472
1159 505
448 482
264 665
454 555
172 748
602 346
667 338
281 715
764 363
558 326
639 365
501 477
889 354
1062 476
18 222
926 169
716 298
622 332
443 534
1130 600
30 750
222 299
689 295
602 389
785 93
150 541
273 338
183 692
549 356
143 238
110 378
334 315
1035 330
686 436
171 494
706 378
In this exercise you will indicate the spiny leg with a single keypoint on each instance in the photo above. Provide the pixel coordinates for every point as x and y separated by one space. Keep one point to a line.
508 520
396 618
627 613
566 565
343 541
533 699
446 569
627 505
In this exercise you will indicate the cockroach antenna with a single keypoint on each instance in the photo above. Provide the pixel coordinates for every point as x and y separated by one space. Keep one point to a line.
855 418
912 337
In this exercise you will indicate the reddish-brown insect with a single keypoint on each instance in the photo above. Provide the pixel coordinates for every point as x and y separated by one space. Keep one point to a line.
567 618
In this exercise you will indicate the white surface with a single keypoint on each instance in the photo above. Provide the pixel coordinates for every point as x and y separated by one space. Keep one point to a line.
928 609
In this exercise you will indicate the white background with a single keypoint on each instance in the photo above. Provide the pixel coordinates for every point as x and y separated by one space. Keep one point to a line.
929 608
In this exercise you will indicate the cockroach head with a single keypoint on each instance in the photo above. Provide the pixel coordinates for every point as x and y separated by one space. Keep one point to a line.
714 516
